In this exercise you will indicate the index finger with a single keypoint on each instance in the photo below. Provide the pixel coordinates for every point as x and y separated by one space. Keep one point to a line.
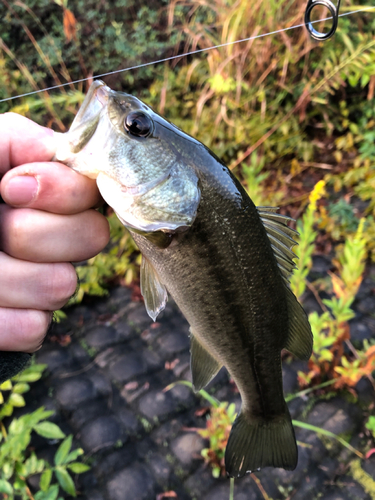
23 141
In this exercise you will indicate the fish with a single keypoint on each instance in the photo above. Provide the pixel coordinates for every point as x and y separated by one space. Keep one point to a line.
225 262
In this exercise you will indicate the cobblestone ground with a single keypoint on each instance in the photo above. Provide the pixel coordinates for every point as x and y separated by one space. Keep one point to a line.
106 387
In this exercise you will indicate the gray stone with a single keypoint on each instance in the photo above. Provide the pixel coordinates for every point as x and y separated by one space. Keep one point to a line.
101 336
369 466
321 265
92 495
152 360
359 331
311 487
57 358
187 448
128 367
115 461
183 395
139 317
290 382
353 489
101 433
160 468
366 305
89 411
74 392
132 483
164 434
365 392
123 329
336 416
310 304
334 493
173 342
221 492
78 353
157 405
198 483
101 383
129 421
329 467
81 314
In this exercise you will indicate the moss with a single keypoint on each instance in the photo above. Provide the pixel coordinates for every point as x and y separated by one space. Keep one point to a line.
367 483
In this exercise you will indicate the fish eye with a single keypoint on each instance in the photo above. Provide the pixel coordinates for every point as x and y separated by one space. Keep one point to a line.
138 123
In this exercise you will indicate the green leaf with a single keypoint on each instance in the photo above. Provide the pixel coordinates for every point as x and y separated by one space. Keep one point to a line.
65 480
50 494
5 487
6 410
49 430
8 468
63 450
16 400
73 455
78 467
45 479
6 386
20 388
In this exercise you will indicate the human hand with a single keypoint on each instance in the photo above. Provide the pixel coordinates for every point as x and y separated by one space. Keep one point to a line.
47 222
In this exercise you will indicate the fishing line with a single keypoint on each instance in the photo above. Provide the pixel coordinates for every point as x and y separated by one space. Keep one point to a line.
366 9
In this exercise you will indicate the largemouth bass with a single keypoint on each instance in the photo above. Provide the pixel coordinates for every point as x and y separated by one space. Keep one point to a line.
225 262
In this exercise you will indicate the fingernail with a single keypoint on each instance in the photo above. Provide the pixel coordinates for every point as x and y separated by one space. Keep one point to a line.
21 190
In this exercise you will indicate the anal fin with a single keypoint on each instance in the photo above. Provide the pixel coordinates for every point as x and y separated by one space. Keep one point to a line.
300 338
153 291
203 365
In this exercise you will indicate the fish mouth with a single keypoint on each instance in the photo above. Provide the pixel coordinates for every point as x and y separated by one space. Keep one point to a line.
101 92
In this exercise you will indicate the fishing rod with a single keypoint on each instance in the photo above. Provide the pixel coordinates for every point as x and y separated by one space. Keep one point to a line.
308 23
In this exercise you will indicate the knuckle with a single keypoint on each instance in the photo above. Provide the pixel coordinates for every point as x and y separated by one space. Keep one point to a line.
23 329
37 329
62 285
16 237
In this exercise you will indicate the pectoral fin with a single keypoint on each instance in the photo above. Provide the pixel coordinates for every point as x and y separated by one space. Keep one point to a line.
300 339
153 291
203 366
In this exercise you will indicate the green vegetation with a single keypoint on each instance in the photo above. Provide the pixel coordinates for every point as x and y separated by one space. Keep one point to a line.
18 462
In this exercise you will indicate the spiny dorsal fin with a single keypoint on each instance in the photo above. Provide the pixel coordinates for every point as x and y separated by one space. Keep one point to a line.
203 366
153 291
281 239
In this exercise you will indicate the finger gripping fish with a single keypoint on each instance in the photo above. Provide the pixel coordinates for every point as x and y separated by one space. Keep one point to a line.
225 262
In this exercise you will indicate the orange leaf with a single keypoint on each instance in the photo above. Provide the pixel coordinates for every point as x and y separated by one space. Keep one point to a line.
338 285
70 23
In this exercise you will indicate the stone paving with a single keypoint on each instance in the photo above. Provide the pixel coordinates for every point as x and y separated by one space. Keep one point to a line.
106 387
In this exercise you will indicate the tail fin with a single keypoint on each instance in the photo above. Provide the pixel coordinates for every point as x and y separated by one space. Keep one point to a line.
254 444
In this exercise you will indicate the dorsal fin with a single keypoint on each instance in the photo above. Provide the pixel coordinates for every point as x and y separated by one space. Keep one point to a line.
281 239
300 339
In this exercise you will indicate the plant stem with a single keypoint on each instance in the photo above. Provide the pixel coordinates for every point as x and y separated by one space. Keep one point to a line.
311 389
3 430
318 430
213 401
261 489
231 488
